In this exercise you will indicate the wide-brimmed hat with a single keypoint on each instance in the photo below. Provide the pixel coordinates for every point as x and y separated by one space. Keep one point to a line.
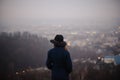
58 41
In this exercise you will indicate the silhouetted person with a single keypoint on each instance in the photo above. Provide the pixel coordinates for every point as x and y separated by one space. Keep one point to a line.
58 59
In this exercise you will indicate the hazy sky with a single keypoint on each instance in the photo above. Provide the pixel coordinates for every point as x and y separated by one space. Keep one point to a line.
29 10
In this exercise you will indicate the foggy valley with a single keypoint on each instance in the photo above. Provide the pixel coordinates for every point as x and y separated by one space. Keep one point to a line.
91 29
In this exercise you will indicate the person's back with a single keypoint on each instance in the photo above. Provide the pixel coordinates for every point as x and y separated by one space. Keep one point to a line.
59 62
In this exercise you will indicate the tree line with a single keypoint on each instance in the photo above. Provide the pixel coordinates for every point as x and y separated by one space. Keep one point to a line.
21 50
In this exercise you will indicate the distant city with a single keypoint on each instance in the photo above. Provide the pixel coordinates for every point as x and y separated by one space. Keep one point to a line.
75 34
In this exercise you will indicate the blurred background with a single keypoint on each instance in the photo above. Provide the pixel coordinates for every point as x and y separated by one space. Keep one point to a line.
91 29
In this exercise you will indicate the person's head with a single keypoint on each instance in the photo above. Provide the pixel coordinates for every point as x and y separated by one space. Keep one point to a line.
58 41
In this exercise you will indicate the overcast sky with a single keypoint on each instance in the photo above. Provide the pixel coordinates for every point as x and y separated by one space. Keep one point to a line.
20 10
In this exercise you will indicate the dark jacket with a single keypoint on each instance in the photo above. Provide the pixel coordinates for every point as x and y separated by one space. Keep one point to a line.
59 62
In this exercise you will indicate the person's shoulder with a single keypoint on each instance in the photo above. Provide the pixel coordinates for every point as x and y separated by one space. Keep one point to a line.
51 50
66 52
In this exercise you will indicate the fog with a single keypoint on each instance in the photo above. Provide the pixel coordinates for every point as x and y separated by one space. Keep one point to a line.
91 29
58 12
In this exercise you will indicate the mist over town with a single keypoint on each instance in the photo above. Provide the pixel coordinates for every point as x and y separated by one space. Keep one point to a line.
91 29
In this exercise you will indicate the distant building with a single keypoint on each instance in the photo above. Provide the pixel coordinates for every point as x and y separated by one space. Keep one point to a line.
117 59
112 59
109 59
